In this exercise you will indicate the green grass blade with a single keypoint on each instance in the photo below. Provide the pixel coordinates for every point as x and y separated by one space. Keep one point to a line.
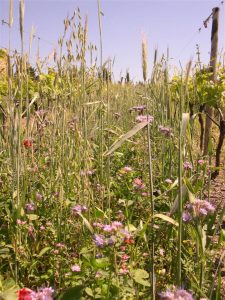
125 137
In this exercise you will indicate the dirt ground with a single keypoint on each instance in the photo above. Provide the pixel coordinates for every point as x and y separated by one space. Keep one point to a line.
217 197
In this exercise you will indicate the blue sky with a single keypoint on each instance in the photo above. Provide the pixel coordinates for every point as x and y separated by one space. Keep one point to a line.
172 24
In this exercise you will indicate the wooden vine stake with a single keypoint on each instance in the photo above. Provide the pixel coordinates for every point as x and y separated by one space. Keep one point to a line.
220 144
213 61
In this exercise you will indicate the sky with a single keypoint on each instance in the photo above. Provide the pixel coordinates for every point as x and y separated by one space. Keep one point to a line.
166 24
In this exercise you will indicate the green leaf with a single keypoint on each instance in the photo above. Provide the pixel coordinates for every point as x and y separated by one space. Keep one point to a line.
176 201
218 288
166 218
43 251
184 123
130 228
203 240
130 202
74 293
9 294
175 183
22 212
98 213
114 290
14 194
36 95
191 196
210 147
10 289
91 103
89 292
32 217
125 137
87 224
4 251
142 230
100 263
140 276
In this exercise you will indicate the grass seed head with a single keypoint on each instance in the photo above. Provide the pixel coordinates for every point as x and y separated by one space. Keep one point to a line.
144 58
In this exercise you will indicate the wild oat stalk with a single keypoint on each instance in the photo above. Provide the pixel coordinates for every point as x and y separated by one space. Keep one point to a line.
144 58
18 150
32 34
10 108
101 108
184 119
22 22
21 11
100 30
144 70
27 79
11 13
152 213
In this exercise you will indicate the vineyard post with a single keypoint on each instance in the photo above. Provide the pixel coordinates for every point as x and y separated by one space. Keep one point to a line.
213 60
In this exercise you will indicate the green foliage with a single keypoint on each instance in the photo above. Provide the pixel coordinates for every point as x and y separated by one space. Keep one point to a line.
140 276
8 289
74 293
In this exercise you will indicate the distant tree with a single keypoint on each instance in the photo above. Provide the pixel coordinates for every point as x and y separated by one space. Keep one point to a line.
127 77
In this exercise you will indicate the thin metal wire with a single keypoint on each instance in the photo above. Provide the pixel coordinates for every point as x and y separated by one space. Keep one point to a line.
204 25
27 32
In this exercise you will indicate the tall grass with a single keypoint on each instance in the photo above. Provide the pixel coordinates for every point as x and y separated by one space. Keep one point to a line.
79 158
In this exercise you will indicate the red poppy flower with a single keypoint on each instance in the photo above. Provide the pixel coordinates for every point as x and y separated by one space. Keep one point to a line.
27 143
25 294
128 241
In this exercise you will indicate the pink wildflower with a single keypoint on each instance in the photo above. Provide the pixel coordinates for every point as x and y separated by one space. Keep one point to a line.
125 169
38 196
167 131
139 108
108 228
200 208
122 248
78 209
98 225
20 222
98 274
75 268
177 294
60 245
169 181
99 240
30 207
138 184
125 257
144 194
187 165
44 294
123 270
186 216
145 119
116 225
161 252
201 162
111 241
